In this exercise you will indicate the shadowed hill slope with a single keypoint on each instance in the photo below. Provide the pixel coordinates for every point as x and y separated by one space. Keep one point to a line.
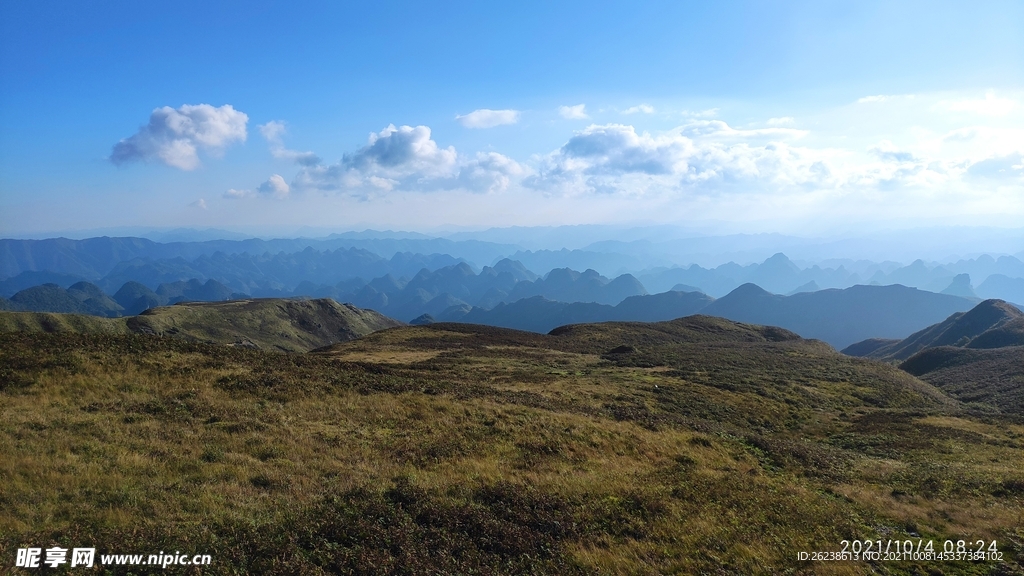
990 324
52 322
993 377
975 356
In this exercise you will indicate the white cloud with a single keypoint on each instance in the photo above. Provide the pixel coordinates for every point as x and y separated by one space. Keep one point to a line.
883 98
402 151
175 136
233 194
644 108
485 118
275 186
616 159
783 121
489 172
886 150
201 204
990 105
709 113
721 130
273 132
407 158
577 112
709 158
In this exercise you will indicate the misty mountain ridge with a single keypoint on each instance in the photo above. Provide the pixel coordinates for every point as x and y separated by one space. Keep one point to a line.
95 259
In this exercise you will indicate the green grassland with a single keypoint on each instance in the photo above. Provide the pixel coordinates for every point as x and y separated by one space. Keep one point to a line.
697 446
278 324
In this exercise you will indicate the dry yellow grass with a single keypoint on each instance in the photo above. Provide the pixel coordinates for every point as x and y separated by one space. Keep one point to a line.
492 452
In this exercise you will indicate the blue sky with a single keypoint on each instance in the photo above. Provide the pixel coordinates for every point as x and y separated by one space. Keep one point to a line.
800 117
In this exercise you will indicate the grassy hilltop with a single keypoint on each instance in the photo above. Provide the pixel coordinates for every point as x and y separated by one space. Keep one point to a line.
276 324
693 446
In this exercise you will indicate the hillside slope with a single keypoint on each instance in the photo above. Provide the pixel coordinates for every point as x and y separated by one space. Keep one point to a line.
992 377
990 324
268 324
696 446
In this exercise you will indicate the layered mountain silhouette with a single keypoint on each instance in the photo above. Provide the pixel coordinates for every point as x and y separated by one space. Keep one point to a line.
960 286
507 281
93 258
496 297
840 317
132 298
539 314
1002 287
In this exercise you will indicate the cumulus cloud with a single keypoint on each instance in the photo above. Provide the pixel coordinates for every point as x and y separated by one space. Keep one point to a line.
615 158
489 172
175 136
642 108
709 157
577 112
233 194
485 118
201 204
273 132
407 158
275 186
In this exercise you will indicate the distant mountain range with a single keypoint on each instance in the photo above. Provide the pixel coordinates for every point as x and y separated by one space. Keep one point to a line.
839 317
94 258
295 267
510 296
539 314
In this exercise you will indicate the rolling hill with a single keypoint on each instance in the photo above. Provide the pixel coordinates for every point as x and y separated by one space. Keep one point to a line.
268 324
993 378
976 356
699 445
990 324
